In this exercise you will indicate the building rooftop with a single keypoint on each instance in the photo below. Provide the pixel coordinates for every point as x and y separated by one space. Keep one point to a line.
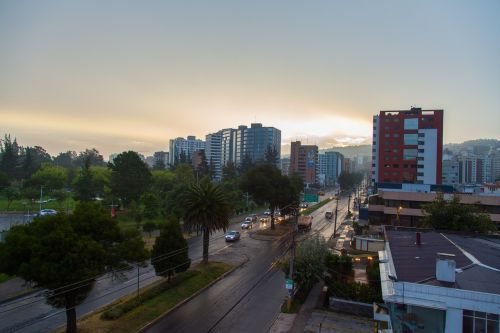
477 258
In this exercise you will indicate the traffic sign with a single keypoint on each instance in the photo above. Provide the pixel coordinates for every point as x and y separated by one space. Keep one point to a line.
289 284
311 198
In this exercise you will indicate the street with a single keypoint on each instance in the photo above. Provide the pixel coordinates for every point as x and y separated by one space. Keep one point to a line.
246 300
250 298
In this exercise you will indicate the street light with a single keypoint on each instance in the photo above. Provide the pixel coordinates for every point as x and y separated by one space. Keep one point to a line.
336 213
398 211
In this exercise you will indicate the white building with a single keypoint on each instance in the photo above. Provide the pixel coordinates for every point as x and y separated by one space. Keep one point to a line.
438 282
180 146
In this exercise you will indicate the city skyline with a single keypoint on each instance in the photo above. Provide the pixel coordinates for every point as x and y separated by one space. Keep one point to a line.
130 76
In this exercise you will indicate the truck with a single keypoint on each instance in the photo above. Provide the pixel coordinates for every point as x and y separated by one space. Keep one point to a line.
304 222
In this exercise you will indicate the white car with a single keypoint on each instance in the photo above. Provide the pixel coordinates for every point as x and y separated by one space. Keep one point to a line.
47 212
232 236
246 225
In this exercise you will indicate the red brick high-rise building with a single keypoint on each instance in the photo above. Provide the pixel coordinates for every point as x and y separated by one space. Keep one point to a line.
407 146
304 161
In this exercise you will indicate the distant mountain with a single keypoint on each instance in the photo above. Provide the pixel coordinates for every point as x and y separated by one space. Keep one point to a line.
473 144
351 151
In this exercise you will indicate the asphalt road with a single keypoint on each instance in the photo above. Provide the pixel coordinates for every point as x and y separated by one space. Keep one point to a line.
245 301
31 313
249 299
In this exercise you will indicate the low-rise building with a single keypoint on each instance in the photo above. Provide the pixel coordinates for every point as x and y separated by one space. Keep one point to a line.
440 282
401 204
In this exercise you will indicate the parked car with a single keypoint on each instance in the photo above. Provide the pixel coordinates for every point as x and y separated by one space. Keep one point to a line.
246 225
321 193
329 215
47 212
232 236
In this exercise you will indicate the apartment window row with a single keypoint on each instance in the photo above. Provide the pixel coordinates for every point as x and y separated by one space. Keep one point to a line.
475 322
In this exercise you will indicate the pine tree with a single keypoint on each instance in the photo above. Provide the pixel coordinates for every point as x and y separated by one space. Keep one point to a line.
170 251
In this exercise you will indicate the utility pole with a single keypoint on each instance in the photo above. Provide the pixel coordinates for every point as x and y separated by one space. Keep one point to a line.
41 197
348 204
336 213
292 260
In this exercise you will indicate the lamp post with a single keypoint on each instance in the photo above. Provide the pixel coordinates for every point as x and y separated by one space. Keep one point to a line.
398 211
336 213
348 204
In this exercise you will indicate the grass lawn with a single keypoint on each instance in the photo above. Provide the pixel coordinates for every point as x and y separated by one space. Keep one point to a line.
23 205
157 303
316 206
4 277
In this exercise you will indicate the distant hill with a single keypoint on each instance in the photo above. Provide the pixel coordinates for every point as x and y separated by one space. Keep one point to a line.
351 151
469 145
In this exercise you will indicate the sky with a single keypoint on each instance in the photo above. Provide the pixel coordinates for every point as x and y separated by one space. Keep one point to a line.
122 75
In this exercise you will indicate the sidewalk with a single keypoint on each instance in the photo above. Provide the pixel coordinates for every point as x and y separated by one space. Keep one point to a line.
13 288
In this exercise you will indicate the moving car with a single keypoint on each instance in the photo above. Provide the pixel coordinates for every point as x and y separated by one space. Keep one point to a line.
47 212
246 225
232 236
304 205
267 212
329 215
252 218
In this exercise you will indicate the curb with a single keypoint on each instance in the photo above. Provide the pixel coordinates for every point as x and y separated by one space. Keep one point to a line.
181 303
13 298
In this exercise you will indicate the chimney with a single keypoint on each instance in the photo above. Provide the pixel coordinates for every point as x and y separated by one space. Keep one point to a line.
445 267
418 241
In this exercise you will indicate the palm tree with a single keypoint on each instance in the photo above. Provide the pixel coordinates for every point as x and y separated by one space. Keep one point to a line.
207 209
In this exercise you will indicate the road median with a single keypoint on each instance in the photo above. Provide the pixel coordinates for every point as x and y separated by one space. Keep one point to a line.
137 314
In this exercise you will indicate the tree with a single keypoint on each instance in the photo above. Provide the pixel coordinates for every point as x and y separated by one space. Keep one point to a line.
130 176
4 180
229 172
11 193
203 168
151 205
266 184
83 184
9 151
246 164
271 156
149 227
309 264
65 253
92 154
207 209
65 160
170 251
455 216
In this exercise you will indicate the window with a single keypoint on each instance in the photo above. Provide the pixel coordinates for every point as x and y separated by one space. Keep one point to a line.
410 139
411 123
387 135
409 154
421 135
421 151
474 321
395 165
395 135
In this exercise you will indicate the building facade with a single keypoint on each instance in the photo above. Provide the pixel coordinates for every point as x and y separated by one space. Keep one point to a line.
304 161
185 147
407 146
329 167
401 204
254 141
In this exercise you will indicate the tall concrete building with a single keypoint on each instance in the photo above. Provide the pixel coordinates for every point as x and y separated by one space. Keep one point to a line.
330 166
187 146
450 174
213 154
407 146
254 141
304 161
475 169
